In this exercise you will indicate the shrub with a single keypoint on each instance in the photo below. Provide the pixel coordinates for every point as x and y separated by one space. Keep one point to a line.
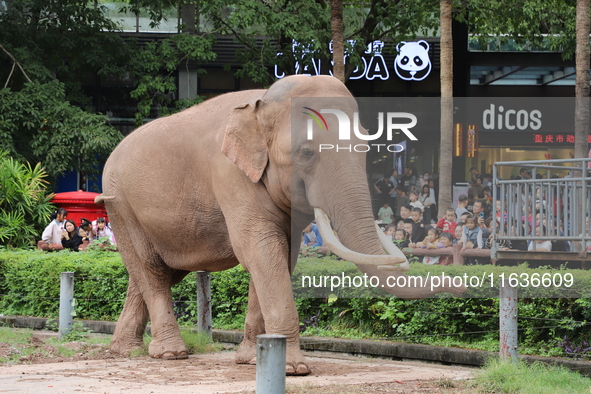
29 285
24 202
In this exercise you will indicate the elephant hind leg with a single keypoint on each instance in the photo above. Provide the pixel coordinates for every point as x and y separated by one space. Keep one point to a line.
129 331
149 294
253 326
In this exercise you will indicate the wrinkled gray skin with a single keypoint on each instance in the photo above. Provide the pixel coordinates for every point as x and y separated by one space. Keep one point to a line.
209 188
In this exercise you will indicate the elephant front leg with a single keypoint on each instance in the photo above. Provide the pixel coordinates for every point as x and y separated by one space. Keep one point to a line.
273 287
129 331
253 326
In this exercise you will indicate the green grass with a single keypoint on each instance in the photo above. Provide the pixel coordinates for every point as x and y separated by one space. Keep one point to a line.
507 377
198 343
15 336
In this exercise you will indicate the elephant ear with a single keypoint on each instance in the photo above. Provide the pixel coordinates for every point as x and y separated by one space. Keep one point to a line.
244 142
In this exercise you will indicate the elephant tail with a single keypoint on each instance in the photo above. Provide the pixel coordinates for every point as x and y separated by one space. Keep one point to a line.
100 199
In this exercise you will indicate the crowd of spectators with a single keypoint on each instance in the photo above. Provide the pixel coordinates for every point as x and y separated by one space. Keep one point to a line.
409 215
471 224
62 234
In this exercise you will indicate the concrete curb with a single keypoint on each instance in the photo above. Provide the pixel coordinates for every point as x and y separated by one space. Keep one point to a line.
381 349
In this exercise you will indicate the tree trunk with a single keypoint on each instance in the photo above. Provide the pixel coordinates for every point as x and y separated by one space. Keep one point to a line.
338 46
446 124
582 80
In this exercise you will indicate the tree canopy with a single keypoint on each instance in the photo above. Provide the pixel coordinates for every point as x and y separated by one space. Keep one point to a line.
50 47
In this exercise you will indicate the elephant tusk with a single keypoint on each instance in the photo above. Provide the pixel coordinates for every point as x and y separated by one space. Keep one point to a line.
332 242
392 250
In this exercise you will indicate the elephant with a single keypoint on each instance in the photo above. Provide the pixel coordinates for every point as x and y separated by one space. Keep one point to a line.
227 182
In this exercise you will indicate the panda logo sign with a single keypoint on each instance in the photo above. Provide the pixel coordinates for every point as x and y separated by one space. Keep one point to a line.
412 62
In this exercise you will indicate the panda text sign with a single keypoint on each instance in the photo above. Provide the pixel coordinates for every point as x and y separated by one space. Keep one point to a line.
412 62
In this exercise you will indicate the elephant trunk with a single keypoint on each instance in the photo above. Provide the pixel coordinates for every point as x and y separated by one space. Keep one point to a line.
357 238
334 244
360 241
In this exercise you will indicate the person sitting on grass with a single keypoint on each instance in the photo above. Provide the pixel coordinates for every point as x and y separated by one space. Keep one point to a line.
102 230
71 239
51 239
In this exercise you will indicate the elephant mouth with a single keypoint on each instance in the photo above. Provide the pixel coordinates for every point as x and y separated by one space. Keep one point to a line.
394 260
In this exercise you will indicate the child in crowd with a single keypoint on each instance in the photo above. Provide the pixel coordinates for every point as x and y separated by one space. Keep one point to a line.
459 231
472 235
401 239
430 242
446 241
390 231
447 224
400 224
414 201
418 228
103 230
385 214
430 239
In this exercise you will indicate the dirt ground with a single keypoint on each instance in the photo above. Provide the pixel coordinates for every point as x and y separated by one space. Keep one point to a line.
94 370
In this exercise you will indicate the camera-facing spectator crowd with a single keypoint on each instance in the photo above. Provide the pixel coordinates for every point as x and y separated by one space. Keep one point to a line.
62 234
412 218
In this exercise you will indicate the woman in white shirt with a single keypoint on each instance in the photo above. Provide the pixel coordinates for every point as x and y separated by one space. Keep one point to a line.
51 239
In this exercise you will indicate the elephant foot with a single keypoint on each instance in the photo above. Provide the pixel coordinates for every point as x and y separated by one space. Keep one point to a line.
246 354
125 348
296 364
170 350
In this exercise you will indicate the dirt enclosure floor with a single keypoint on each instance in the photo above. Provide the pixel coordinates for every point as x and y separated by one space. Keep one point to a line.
217 373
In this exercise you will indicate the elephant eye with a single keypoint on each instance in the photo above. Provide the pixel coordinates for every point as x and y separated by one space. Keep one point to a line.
307 152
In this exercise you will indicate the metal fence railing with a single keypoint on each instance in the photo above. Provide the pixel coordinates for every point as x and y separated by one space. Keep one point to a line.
545 207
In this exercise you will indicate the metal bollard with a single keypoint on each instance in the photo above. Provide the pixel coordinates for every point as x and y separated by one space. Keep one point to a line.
508 321
271 353
66 303
204 304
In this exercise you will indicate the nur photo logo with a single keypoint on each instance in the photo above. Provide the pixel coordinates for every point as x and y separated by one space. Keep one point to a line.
394 122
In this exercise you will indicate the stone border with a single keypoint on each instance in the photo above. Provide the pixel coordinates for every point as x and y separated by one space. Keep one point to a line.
371 348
